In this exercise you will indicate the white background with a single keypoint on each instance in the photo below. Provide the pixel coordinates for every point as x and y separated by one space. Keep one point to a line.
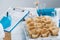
5 4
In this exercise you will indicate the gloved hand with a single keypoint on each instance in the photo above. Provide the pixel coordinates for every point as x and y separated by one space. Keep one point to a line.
48 11
6 21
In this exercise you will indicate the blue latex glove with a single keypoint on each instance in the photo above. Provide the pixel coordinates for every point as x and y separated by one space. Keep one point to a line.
6 21
47 11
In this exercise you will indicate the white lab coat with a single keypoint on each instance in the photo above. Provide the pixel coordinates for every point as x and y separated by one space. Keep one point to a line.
2 34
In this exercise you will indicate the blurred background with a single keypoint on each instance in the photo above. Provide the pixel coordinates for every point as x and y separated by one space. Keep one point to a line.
5 4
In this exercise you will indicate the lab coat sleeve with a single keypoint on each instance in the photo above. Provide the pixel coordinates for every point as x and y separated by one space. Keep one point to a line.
2 34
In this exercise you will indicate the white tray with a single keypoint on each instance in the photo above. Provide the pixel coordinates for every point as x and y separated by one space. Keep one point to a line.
40 38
